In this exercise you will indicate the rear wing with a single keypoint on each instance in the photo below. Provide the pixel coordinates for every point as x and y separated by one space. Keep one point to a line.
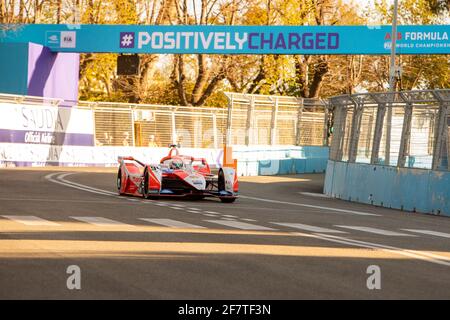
120 159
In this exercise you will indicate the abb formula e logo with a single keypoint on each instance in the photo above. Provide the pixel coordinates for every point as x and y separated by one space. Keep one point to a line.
419 36
419 39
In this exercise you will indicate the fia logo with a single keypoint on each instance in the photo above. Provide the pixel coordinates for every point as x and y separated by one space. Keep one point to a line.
68 39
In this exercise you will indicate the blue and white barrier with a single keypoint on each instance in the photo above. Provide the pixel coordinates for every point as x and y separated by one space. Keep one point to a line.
406 189
37 155
279 160
252 161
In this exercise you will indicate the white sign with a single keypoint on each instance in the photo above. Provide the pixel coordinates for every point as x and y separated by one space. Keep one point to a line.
68 39
43 124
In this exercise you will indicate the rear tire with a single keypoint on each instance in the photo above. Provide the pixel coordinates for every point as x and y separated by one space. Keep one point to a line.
119 182
221 181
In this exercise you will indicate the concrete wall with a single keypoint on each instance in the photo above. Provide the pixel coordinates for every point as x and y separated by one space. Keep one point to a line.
407 189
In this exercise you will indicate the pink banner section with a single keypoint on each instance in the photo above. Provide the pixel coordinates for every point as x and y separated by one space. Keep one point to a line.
53 75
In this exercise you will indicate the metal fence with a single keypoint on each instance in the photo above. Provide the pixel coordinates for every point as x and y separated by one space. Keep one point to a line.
276 120
246 120
403 129
118 124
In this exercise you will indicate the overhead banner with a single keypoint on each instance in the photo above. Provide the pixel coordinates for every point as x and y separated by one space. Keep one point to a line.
184 39
46 125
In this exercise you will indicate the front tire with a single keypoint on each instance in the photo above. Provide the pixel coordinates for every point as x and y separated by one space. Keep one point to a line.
145 185
227 200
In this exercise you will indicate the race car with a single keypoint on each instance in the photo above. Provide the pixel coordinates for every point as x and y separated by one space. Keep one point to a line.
176 176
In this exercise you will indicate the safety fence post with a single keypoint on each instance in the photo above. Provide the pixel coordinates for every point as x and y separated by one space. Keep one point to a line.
248 124
298 135
378 132
340 112
133 130
325 124
406 134
355 130
229 120
174 128
441 135
214 121
273 122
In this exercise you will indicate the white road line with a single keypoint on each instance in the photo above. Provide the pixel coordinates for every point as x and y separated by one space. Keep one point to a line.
172 223
80 187
212 212
229 216
429 232
192 211
176 208
433 258
308 227
312 206
312 194
209 215
240 225
61 178
246 219
377 231
100 221
31 220
228 219
56 200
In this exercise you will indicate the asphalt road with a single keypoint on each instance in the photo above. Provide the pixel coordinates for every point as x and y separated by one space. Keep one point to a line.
279 240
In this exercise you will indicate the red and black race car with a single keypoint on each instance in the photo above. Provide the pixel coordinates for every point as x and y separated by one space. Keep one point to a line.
176 176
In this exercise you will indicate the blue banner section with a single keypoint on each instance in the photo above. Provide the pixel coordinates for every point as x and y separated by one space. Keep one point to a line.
429 39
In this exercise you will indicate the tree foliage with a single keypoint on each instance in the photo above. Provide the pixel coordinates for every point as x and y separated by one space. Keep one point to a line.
197 80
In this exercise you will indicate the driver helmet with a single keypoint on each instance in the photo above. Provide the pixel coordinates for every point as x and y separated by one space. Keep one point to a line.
176 164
